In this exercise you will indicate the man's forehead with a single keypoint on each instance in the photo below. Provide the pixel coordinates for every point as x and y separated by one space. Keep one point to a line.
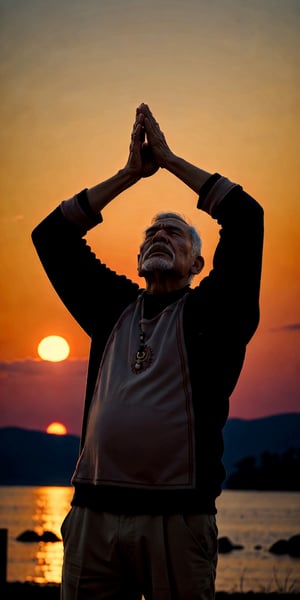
167 222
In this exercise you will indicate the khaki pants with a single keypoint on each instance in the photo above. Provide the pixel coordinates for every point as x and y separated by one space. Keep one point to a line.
122 557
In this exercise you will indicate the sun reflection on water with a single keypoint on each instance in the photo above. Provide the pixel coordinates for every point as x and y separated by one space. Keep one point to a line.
50 505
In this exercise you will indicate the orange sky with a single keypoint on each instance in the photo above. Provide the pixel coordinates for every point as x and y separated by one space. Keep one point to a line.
222 78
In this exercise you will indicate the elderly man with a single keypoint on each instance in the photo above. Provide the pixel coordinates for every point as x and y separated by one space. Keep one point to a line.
164 361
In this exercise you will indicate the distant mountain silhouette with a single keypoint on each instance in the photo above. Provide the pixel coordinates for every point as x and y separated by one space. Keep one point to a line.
243 438
36 458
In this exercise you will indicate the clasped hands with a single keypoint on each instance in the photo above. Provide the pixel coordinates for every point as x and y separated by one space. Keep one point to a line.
148 148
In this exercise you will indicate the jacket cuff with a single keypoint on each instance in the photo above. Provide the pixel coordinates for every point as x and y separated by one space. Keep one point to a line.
213 192
78 211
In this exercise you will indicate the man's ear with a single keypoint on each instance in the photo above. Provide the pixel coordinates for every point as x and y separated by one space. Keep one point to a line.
197 265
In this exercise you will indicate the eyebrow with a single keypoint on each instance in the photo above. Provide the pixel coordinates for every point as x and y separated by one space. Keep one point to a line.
154 228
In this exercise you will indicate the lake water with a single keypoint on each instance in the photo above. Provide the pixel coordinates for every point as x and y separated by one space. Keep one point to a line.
247 518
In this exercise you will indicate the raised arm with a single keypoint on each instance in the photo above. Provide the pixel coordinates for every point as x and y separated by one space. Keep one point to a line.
232 287
83 282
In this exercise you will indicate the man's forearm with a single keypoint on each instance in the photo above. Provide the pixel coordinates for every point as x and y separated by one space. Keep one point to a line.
192 176
101 194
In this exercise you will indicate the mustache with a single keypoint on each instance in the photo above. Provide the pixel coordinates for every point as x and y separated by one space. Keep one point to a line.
159 246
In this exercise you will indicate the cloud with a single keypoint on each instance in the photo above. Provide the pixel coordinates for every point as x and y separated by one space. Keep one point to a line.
287 327
29 367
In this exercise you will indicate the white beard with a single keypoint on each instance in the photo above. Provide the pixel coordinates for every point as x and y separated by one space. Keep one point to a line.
157 263
154 262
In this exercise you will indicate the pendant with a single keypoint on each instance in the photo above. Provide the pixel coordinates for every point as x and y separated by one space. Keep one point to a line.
142 360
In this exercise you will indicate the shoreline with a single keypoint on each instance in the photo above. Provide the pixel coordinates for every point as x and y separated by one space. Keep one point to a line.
51 591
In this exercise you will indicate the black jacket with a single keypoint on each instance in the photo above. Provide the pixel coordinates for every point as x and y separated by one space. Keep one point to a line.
221 315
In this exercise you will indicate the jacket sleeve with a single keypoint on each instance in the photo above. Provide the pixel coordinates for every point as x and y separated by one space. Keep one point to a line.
89 289
232 287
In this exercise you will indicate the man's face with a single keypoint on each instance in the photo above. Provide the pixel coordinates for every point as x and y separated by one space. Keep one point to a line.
167 247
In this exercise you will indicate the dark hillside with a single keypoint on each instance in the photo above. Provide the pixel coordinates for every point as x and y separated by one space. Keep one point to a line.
36 458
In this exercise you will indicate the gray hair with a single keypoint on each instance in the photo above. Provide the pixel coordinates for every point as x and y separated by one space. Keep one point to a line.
195 237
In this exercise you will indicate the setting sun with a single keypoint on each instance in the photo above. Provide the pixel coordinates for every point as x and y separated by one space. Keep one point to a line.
53 348
56 428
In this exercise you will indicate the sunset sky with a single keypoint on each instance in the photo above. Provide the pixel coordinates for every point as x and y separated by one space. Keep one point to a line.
222 77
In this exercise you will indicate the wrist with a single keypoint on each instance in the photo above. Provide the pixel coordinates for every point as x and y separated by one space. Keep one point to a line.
169 161
127 177
103 193
192 176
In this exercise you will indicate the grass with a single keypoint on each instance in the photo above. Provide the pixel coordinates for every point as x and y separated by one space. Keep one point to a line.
279 584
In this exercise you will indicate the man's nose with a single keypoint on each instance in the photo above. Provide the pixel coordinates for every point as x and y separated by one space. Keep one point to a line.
159 235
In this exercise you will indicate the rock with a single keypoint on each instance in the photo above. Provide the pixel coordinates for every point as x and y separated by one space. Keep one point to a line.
225 545
294 546
290 546
28 536
32 536
279 547
49 536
